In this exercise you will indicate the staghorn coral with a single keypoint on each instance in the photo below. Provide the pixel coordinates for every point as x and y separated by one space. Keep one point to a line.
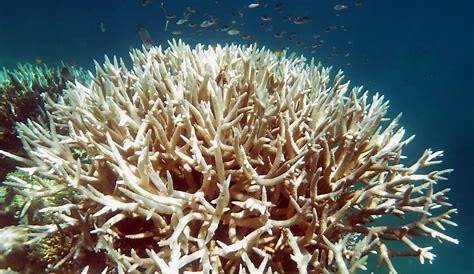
18 207
231 159
21 92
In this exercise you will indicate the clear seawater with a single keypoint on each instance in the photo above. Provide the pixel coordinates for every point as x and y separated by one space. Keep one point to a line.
418 53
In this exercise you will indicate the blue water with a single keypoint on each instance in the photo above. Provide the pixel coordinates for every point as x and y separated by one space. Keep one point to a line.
418 53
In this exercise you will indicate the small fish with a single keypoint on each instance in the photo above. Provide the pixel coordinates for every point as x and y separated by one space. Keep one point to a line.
66 74
331 28
39 61
102 27
358 3
340 7
225 28
177 32
245 36
253 5
266 18
192 25
279 34
182 21
302 20
279 6
145 2
190 10
233 32
145 37
165 12
208 23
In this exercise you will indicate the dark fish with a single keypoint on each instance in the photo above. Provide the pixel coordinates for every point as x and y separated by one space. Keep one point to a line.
302 20
266 18
145 37
279 6
300 43
331 28
145 2
225 27
66 74
358 3
279 34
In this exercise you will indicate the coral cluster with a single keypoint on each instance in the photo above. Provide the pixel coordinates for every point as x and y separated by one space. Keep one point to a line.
21 92
230 159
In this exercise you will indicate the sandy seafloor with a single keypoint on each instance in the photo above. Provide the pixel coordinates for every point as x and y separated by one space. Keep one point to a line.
418 53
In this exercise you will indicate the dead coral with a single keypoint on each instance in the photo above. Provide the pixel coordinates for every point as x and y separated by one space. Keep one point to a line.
230 159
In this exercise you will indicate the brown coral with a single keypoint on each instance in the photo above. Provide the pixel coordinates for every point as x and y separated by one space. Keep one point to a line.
226 159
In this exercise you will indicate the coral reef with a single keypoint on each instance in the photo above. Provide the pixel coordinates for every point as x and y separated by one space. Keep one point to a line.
17 207
228 159
21 92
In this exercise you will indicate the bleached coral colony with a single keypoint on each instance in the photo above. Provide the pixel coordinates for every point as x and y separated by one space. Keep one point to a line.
228 159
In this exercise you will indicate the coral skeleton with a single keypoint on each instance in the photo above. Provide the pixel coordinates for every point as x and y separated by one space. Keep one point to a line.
231 159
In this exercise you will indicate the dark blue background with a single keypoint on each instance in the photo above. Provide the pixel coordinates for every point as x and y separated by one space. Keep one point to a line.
418 53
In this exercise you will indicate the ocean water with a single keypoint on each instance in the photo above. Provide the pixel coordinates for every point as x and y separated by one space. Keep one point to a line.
418 53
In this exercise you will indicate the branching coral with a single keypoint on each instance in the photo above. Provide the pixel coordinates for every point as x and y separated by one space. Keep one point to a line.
21 92
227 159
